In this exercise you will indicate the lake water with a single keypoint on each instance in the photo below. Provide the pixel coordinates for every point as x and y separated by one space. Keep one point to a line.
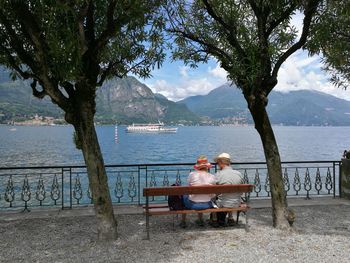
53 145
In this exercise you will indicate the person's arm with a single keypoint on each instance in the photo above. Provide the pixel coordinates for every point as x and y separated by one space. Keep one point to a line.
190 179
213 179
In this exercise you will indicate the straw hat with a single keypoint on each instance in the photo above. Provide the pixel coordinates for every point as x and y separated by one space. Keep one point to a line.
202 162
224 156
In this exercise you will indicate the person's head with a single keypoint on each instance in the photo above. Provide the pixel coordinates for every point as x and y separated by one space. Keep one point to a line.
223 160
202 163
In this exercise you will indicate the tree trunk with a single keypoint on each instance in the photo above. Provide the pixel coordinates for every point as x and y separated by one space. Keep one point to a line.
282 216
98 181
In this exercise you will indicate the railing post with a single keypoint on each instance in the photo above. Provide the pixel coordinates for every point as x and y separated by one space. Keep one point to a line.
62 190
334 186
139 184
339 179
70 188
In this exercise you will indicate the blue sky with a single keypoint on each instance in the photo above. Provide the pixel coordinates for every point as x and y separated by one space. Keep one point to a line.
177 81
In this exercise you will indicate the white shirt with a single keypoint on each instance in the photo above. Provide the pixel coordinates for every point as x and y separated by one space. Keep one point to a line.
200 178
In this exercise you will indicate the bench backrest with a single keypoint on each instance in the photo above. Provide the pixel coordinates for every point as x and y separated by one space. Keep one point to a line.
203 189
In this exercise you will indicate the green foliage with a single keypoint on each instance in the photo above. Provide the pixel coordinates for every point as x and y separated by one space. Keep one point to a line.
61 43
330 37
250 39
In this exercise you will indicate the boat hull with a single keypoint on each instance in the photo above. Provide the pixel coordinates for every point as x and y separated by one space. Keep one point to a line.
163 130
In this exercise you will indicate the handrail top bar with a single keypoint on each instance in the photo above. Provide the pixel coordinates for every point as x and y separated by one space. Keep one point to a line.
154 164
202 189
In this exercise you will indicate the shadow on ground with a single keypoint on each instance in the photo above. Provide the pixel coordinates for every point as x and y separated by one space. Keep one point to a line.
72 239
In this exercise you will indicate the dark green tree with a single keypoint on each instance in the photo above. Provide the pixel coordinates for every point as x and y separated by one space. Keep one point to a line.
251 40
68 48
330 38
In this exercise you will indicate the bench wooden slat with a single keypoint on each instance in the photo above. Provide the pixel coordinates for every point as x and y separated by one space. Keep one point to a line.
159 209
150 206
166 211
205 189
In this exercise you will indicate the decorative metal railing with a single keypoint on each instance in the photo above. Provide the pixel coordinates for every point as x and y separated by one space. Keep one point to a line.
67 186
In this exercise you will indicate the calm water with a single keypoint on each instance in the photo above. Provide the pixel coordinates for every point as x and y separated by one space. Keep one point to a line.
29 146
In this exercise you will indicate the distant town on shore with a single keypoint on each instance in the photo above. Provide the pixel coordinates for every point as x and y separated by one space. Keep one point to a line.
126 101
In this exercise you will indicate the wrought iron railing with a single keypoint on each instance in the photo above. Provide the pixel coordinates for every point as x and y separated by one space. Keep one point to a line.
67 186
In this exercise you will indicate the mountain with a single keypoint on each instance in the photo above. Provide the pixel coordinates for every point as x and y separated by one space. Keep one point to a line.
128 100
224 101
302 107
307 107
123 100
18 103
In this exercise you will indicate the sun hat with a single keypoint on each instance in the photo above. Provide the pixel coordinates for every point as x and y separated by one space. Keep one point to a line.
202 162
225 156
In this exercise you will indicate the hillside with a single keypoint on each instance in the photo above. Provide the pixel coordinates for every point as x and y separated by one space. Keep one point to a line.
224 101
128 100
123 100
302 107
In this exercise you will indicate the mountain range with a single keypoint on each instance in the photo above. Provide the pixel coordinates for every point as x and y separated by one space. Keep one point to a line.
128 100
302 107
119 100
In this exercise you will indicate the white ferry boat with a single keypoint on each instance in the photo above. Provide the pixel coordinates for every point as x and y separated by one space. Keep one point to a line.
150 128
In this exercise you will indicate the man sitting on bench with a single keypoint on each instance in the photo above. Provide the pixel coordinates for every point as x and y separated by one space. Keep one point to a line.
199 201
226 175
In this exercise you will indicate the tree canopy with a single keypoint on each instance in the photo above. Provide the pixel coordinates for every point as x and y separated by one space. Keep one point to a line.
69 48
330 37
55 42
250 39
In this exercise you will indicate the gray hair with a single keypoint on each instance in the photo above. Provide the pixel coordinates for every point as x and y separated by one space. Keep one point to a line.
225 161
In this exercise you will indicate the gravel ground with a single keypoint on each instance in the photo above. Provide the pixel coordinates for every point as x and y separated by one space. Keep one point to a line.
321 234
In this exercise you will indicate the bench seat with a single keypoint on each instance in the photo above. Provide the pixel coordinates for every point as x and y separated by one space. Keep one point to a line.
163 209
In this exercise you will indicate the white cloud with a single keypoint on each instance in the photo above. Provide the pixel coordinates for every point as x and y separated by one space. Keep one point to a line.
183 70
302 72
299 71
187 82
218 72
185 88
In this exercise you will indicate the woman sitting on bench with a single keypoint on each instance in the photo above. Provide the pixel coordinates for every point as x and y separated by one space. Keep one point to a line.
200 176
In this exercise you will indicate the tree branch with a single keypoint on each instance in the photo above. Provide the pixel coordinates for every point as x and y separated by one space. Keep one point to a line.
80 21
16 42
107 71
90 27
231 34
37 93
308 14
33 31
254 7
284 15
69 88
15 65
110 27
211 47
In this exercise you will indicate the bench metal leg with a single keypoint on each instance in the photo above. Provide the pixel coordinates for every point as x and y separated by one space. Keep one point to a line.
246 214
147 217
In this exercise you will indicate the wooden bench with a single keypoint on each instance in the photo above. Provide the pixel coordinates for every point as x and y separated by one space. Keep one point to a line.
163 209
